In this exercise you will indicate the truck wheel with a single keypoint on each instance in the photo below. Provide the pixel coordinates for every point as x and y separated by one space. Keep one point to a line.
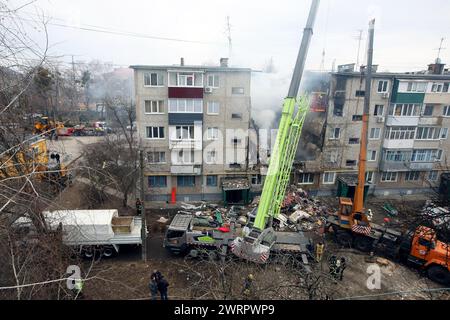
439 274
88 253
108 252
193 253
363 244
344 239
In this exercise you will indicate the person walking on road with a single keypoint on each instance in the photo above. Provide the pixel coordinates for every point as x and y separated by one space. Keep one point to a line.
163 284
153 286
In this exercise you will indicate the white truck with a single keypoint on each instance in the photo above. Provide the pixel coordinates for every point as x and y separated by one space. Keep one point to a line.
93 232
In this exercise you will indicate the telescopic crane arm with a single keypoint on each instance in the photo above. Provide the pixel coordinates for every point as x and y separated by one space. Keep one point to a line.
289 131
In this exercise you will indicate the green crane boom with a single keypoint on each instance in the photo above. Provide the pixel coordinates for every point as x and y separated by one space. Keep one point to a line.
289 131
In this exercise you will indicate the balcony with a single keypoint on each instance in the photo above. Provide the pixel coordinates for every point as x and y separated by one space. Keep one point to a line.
421 166
402 121
186 169
398 144
430 121
185 144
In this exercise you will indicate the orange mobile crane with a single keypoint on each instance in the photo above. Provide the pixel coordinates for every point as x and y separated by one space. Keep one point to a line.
351 227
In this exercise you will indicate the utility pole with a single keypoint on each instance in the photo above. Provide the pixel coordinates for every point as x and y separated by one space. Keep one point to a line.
358 203
143 215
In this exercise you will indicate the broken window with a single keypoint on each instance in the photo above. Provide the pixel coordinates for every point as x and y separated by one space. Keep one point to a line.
353 141
236 116
350 163
379 110
338 110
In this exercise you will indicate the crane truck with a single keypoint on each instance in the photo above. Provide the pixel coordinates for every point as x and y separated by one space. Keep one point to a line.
260 238
352 228
257 241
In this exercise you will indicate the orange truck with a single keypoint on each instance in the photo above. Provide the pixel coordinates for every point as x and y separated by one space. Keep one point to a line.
419 248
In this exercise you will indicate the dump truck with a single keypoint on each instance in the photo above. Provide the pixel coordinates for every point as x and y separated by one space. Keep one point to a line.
91 232
188 234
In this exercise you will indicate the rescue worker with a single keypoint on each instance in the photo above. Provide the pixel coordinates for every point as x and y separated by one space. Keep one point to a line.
163 284
319 251
342 266
138 206
247 286
153 286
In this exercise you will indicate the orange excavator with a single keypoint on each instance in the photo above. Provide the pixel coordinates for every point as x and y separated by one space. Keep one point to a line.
351 228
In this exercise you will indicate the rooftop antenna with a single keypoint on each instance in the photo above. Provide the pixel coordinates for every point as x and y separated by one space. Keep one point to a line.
438 59
359 37
229 38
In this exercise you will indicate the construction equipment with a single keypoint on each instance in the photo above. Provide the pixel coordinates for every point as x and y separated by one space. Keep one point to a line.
352 228
260 238
47 126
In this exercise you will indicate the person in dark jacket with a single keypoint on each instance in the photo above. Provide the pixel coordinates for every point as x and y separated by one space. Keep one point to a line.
162 287
153 286
156 275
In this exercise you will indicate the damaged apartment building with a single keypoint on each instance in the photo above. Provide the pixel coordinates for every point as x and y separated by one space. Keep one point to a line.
193 123
408 143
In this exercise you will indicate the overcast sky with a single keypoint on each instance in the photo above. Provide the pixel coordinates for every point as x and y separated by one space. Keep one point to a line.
407 32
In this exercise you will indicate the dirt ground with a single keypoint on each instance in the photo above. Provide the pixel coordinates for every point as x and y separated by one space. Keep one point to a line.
127 276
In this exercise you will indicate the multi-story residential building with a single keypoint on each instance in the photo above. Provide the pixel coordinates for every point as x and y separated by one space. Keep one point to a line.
193 123
408 131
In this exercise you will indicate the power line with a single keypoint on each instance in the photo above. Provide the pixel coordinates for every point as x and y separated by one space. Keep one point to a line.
107 30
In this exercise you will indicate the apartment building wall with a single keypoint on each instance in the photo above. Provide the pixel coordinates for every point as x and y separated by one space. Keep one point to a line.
419 170
232 93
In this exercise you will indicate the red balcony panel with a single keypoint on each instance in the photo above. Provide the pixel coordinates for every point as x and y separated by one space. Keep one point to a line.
188 93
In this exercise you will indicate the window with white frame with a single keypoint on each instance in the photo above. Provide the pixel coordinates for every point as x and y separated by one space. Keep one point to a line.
213 80
185 157
396 156
153 79
446 111
374 133
437 87
428 133
389 176
444 133
412 176
306 178
405 109
335 133
185 106
213 107
185 79
400 133
212 133
211 156
156 157
369 176
432 176
372 155
184 132
378 110
154 106
382 86
426 155
329 177
155 132
416 86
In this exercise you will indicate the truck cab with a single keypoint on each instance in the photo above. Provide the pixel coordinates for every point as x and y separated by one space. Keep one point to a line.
430 254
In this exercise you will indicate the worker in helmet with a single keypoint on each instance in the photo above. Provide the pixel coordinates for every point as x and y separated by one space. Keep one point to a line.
247 286
319 251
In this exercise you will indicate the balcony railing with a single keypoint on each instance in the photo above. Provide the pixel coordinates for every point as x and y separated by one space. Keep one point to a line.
185 144
402 121
186 169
